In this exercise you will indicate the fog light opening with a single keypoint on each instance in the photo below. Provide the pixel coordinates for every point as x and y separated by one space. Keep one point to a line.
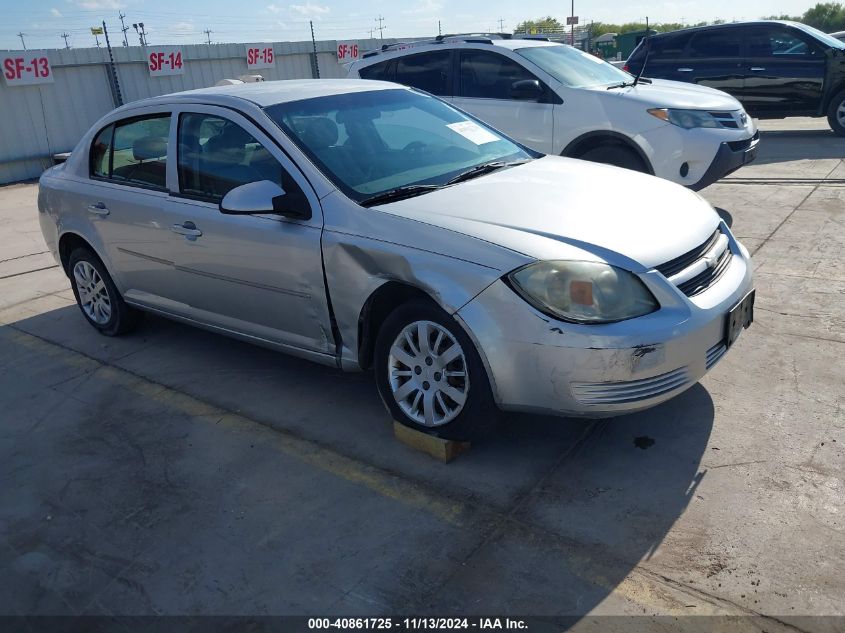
684 170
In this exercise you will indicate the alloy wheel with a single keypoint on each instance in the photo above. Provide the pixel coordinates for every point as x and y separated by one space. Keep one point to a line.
427 373
93 294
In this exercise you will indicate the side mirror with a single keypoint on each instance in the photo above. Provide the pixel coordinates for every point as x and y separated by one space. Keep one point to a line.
526 89
263 196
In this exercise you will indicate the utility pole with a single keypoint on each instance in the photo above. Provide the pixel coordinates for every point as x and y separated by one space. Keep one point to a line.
501 25
141 34
65 36
208 36
97 40
118 97
380 26
439 30
123 28
314 47
572 33
371 33
20 35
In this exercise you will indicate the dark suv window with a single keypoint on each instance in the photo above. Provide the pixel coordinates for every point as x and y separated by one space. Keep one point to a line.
383 71
133 152
666 47
777 42
489 75
727 43
427 71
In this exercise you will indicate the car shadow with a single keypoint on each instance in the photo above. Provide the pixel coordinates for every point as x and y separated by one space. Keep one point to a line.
554 513
777 146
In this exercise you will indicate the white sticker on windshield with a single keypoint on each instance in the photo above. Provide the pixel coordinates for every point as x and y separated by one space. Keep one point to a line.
473 132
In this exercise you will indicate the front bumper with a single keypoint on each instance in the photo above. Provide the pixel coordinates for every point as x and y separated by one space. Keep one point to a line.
731 156
536 363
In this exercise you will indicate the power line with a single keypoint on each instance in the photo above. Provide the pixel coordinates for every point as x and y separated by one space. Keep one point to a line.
123 28
380 28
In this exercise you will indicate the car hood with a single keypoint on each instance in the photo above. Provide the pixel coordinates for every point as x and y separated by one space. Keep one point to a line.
662 93
556 207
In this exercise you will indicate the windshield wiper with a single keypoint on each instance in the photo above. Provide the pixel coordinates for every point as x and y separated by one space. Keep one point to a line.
399 193
629 84
484 168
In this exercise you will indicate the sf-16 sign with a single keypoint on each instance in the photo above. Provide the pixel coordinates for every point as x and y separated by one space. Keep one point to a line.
165 61
26 69
348 52
260 56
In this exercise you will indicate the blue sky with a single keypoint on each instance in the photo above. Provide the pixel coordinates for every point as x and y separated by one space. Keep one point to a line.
183 21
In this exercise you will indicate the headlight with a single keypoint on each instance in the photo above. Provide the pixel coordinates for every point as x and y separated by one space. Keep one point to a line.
583 292
685 118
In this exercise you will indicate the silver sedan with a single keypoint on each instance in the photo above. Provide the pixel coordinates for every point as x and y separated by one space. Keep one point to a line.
363 224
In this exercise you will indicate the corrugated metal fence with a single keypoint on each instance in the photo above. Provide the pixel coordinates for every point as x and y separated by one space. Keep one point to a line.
38 121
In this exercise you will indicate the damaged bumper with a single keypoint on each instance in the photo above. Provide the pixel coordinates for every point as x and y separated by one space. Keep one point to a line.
540 364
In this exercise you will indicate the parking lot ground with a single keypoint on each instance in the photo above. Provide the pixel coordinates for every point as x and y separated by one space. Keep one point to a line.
174 471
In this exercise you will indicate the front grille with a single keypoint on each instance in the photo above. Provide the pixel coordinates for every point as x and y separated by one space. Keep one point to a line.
631 390
715 353
673 267
708 277
726 119
741 146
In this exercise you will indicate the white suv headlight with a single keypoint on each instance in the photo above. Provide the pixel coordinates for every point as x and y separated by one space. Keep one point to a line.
583 292
686 119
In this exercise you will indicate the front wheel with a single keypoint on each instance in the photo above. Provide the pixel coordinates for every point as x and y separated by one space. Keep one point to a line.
430 375
616 155
836 114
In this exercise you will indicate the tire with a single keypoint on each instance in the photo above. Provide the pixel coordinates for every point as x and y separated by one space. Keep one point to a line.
453 402
617 155
836 113
97 296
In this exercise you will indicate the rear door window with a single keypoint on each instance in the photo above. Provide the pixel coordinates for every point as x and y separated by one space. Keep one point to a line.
431 72
717 44
777 42
489 75
139 151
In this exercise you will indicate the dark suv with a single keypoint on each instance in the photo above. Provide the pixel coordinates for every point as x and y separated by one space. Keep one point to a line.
776 69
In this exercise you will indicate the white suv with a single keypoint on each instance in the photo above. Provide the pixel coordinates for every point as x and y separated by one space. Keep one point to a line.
556 99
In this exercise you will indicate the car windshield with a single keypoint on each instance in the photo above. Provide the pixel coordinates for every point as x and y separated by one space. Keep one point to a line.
373 142
574 68
829 40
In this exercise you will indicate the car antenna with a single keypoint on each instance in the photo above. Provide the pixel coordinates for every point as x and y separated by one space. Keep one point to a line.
647 51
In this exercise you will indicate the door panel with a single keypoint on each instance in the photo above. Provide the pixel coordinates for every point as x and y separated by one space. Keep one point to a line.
784 72
485 81
259 275
713 59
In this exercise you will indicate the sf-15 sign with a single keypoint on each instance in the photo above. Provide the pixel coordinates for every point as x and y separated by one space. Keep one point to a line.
27 69
165 61
260 56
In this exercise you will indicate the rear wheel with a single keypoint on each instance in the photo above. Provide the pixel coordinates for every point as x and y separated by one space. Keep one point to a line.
97 296
836 113
430 375
617 155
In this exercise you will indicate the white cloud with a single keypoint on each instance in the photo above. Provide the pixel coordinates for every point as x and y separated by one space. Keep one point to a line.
275 8
55 13
99 4
428 6
181 28
309 10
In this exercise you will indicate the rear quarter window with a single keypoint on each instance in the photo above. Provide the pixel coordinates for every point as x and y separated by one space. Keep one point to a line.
383 71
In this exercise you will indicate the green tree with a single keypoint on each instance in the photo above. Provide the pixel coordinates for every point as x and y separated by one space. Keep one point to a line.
547 24
827 16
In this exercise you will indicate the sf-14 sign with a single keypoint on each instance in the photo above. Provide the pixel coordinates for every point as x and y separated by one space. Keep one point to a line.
165 61
27 69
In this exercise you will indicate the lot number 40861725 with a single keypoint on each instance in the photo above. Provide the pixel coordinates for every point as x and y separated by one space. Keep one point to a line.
25 71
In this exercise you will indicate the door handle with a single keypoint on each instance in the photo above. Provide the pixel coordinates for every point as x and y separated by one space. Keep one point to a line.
684 70
757 69
188 229
98 208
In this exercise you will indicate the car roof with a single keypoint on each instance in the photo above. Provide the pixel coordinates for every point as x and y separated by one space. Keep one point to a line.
695 29
267 93
424 46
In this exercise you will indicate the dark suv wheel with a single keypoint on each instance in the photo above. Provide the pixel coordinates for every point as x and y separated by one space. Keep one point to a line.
836 113
430 375
97 296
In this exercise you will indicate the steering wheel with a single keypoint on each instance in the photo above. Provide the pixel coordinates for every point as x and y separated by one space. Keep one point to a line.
415 147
